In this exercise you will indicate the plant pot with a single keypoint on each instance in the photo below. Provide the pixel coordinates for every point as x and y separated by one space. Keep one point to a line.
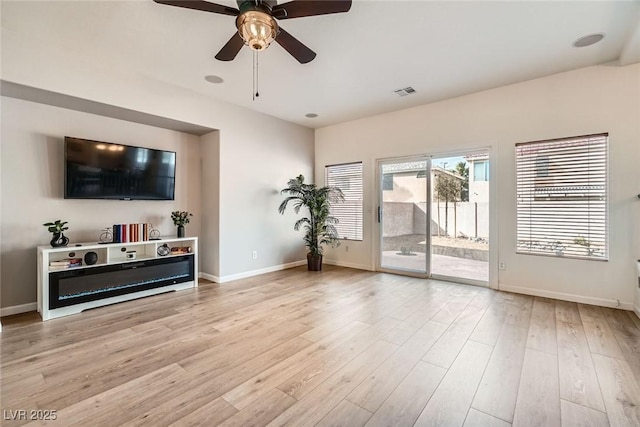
181 231
314 262
59 240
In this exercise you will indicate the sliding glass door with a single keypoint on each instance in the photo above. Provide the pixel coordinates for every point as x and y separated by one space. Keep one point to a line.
460 211
403 215
433 216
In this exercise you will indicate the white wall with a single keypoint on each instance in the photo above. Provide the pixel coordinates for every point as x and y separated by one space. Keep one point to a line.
210 199
32 186
590 100
255 166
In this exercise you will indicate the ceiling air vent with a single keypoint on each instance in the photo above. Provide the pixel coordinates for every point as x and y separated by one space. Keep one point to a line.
405 91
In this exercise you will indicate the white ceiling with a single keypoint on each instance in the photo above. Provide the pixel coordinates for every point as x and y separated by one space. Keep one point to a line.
443 49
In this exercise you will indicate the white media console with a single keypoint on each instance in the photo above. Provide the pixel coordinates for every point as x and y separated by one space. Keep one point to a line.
122 272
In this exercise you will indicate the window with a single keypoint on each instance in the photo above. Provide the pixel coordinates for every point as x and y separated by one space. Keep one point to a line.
481 171
348 178
561 188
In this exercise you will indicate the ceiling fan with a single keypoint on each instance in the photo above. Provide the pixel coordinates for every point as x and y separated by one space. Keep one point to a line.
257 26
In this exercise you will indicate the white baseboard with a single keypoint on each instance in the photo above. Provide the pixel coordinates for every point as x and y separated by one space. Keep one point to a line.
209 277
17 309
567 297
348 265
251 273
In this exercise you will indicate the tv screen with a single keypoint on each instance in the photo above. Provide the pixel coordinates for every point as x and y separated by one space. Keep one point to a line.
101 170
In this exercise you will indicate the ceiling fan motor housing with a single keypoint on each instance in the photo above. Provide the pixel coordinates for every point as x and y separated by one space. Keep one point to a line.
255 24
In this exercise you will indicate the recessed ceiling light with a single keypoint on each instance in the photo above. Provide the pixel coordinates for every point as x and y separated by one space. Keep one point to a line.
214 79
588 40
311 115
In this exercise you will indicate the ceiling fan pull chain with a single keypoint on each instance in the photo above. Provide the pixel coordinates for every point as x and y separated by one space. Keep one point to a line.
256 73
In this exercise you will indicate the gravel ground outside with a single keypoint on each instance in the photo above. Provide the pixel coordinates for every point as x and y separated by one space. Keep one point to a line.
415 243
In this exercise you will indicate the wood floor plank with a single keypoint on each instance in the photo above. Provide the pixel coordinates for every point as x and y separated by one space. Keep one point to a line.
600 337
380 384
261 412
519 309
628 337
308 378
452 399
270 377
538 403
476 418
318 403
452 310
483 299
408 308
104 407
578 381
489 327
235 347
446 349
211 414
417 320
634 318
403 407
498 389
621 392
567 312
542 330
346 414
574 415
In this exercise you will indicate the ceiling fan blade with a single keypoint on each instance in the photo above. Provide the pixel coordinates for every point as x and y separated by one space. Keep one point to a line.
231 49
300 8
201 5
295 47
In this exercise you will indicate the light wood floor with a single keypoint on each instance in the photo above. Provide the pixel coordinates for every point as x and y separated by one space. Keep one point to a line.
341 347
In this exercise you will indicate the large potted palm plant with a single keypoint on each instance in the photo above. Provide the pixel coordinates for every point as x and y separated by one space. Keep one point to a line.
319 226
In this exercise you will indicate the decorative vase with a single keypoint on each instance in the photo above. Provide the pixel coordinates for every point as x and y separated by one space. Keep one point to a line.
314 262
181 231
59 240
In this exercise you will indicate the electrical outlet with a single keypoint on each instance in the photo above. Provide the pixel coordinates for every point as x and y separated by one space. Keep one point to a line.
502 266
254 255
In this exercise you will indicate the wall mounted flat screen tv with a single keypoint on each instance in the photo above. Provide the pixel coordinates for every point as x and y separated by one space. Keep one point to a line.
102 170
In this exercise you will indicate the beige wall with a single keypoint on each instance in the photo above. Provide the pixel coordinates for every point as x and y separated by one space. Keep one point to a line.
256 163
32 186
210 200
589 100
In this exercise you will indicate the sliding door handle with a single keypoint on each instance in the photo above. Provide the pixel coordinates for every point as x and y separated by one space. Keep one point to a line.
379 213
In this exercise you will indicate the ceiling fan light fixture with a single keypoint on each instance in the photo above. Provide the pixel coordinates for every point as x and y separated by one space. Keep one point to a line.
257 29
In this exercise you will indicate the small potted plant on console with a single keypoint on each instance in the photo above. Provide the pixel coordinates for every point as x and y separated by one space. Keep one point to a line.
57 227
180 218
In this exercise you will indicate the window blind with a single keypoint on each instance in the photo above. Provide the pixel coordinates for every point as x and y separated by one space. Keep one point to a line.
348 178
561 188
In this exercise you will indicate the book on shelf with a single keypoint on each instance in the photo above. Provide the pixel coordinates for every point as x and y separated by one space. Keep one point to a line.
131 233
65 263
180 250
